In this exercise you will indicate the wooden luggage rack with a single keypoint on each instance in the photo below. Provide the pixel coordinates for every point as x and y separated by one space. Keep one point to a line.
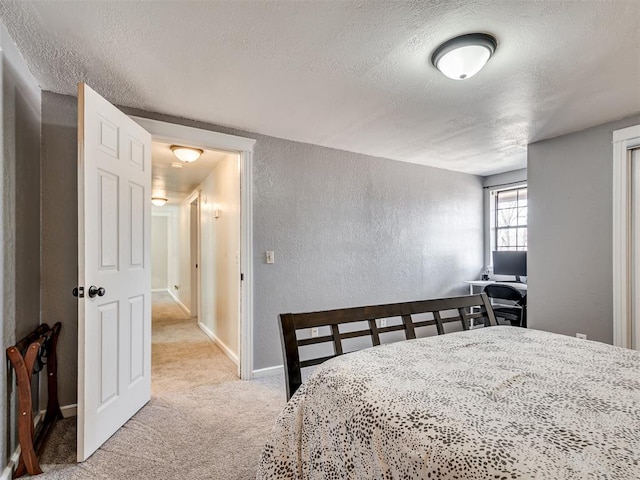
35 350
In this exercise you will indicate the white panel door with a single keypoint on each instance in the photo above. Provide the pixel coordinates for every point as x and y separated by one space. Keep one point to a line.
114 245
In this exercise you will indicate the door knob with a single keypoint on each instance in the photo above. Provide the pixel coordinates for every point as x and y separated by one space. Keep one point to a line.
93 291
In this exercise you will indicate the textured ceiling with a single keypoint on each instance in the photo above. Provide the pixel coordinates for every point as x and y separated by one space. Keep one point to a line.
349 75
176 184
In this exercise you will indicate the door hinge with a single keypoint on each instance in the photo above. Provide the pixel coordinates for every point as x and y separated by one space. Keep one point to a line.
78 292
242 277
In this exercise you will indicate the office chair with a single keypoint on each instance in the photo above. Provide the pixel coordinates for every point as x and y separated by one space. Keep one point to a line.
515 313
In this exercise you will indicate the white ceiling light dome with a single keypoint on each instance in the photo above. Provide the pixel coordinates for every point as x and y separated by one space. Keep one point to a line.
186 154
464 56
159 201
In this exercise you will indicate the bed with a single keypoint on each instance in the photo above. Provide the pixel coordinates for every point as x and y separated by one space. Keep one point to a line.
500 402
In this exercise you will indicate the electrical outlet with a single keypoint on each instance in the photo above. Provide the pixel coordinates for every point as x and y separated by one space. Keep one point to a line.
314 332
581 336
383 322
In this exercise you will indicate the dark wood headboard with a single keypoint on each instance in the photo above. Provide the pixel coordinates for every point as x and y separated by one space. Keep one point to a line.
440 310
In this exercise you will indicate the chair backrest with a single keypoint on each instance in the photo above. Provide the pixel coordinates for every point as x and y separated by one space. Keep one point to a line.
440 311
504 292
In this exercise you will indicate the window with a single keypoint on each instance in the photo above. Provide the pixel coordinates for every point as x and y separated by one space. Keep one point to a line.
510 219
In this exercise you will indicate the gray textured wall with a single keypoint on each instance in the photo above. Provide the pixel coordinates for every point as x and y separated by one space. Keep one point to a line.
20 226
60 232
353 230
347 229
570 182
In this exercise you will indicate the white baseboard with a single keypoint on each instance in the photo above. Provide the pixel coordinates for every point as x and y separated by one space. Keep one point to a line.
66 410
69 410
227 351
7 473
268 372
180 304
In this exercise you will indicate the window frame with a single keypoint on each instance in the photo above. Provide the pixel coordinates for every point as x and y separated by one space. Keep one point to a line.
496 229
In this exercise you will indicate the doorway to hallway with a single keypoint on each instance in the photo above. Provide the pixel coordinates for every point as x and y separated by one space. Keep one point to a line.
242 149
196 247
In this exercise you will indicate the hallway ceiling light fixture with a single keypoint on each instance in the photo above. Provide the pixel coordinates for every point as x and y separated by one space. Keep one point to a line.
159 201
186 154
462 57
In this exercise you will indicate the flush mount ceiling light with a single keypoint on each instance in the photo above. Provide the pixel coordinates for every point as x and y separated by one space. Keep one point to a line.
186 154
464 56
159 201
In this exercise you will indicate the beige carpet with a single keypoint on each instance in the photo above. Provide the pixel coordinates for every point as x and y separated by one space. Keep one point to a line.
202 422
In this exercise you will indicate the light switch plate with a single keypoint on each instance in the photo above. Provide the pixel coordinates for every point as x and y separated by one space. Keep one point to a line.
271 256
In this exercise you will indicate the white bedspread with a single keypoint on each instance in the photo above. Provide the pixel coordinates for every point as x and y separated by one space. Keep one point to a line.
499 403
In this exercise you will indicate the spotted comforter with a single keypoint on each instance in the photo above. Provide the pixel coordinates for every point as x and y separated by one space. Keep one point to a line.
491 403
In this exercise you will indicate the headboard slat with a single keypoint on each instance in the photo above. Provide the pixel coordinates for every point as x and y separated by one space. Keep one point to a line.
408 325
313 340
463 318
375 337
315 361
337 341
439 323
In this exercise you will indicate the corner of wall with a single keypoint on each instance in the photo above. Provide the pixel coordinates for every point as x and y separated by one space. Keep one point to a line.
20 208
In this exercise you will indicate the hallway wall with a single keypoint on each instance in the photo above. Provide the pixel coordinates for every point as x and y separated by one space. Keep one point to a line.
227 184
220 254
171 212
159 252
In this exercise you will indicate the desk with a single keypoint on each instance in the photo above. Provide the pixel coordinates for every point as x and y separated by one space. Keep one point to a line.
480 284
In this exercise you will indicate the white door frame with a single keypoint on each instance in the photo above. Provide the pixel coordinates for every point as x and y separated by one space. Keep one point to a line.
174 133
623 141
195 306
193 258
